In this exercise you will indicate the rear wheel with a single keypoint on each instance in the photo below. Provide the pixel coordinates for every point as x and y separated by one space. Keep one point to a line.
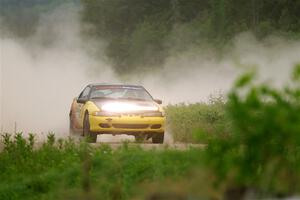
91 137
158 138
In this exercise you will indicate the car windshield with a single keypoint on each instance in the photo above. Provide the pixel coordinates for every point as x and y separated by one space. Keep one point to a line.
120 92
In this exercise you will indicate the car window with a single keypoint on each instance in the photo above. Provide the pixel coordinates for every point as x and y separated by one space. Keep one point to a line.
85 93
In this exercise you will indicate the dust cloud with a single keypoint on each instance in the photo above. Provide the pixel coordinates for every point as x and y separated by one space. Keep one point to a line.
41 75
196 74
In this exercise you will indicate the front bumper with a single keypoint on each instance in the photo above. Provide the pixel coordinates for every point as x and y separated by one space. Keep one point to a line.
125 124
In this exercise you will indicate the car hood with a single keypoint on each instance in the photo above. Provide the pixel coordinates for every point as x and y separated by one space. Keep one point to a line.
130 105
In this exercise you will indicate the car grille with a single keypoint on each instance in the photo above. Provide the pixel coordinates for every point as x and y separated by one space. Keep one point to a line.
131 126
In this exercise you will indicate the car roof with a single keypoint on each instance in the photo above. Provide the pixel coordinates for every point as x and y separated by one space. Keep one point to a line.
115 84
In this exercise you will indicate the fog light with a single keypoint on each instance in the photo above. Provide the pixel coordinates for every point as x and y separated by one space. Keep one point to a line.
102 125
156 126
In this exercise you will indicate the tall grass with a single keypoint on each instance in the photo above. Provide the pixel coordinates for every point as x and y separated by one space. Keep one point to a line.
253 139
62 169
262 151
199 121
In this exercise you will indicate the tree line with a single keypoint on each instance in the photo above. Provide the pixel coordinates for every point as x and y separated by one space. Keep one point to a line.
141 34
21 17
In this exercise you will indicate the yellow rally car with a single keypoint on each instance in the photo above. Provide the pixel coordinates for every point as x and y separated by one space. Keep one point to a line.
117 109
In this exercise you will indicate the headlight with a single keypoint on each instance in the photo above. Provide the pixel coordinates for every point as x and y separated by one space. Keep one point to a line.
153 114
119 107
105 114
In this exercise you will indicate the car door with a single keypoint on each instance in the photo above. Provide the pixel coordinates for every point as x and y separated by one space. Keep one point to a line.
84 95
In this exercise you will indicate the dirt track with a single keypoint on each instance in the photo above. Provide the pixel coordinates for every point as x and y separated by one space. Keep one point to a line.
117 141
150 146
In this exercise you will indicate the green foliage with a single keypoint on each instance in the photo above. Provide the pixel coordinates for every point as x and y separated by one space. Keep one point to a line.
262 150
252 142
62 169
198 122
27 173
256 146
142 33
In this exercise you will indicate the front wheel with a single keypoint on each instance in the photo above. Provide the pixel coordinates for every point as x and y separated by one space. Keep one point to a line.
91 137
71 131
158 138
71 127
140 138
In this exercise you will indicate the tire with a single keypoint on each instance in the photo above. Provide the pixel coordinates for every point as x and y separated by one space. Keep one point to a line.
71 132
140 138
71 128
90 137
158 138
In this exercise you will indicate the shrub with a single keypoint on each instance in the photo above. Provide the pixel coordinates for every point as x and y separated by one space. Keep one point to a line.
262 151
62 169
199 121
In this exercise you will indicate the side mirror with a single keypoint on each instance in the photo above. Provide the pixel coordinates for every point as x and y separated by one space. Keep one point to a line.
81 100
158 101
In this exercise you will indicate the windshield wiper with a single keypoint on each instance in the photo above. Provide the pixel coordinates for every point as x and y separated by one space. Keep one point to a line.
102 98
